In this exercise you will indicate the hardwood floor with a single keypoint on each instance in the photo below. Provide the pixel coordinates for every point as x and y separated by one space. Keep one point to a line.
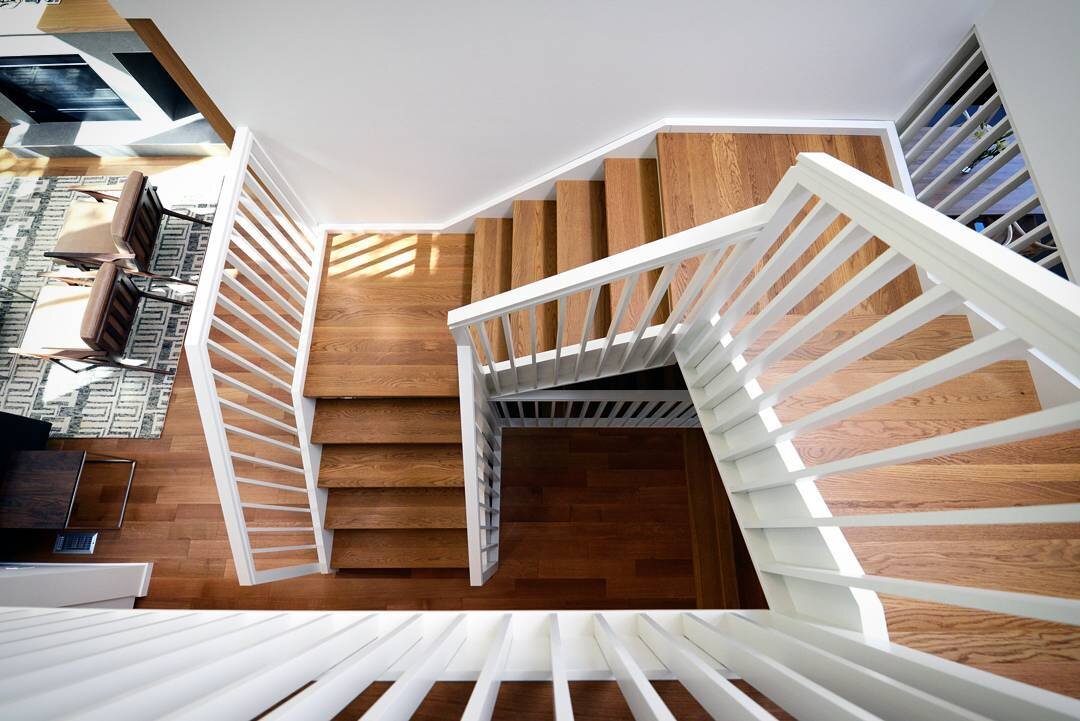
593 519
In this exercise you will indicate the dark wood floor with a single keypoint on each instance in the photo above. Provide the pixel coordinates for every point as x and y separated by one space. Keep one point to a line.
593 519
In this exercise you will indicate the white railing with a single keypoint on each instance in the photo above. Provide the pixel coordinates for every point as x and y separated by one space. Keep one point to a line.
695 254
104 664
805 564
597 409
624 347
772 493
965 157
247 347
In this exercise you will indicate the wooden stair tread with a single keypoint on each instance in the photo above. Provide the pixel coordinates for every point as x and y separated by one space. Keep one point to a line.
491 271
581 238
391 465
395 508
387 380
380 326
386 420
705 176
400 548
632 213
534 258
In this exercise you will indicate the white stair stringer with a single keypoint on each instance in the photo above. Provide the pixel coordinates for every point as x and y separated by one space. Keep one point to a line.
825 548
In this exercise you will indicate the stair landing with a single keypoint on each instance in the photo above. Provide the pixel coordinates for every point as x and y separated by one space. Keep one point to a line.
380 326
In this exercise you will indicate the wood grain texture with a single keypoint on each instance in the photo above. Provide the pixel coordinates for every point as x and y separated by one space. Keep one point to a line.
395 508
386 420
391 465
380 326
581 230
632 190
715 579
1034 558
492 271
37 488
534 258
156 42
705 176
81 16
400 549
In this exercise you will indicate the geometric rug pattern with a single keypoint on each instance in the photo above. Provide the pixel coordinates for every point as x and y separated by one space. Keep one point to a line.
97 402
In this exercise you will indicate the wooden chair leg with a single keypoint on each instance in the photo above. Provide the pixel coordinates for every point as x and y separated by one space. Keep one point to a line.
189 218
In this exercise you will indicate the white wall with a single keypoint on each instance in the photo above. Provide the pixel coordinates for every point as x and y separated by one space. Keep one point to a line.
1032 50
415 110
54 585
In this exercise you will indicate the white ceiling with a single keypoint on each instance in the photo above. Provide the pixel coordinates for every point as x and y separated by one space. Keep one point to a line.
414 110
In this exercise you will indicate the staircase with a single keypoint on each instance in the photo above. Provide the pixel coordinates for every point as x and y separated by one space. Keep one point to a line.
383 366
384 372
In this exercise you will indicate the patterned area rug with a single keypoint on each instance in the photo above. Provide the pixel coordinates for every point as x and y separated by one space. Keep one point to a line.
97 402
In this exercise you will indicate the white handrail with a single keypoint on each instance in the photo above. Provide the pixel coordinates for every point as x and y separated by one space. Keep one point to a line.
260 219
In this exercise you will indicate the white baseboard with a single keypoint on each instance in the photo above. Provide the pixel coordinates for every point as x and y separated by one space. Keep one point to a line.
640 143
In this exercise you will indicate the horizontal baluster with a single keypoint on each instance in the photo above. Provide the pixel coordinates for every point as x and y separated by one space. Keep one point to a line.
261 438
246 228
268 484
961 105
870 279
976 178
982 352
259 223
259 303
808 231
954 83
250 344
1007 186
262 185
969 156
256 324
1021 428
284 549
254 392
926 307
226 403
278 529
295 288
1011 216
249 273
1029 238
246 364
846 242
869 690
720 698
644 702
1024 605
1012 515
275 507
789 689
966 129
247 458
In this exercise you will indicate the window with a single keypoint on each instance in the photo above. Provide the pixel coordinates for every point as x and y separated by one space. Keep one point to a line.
60 88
